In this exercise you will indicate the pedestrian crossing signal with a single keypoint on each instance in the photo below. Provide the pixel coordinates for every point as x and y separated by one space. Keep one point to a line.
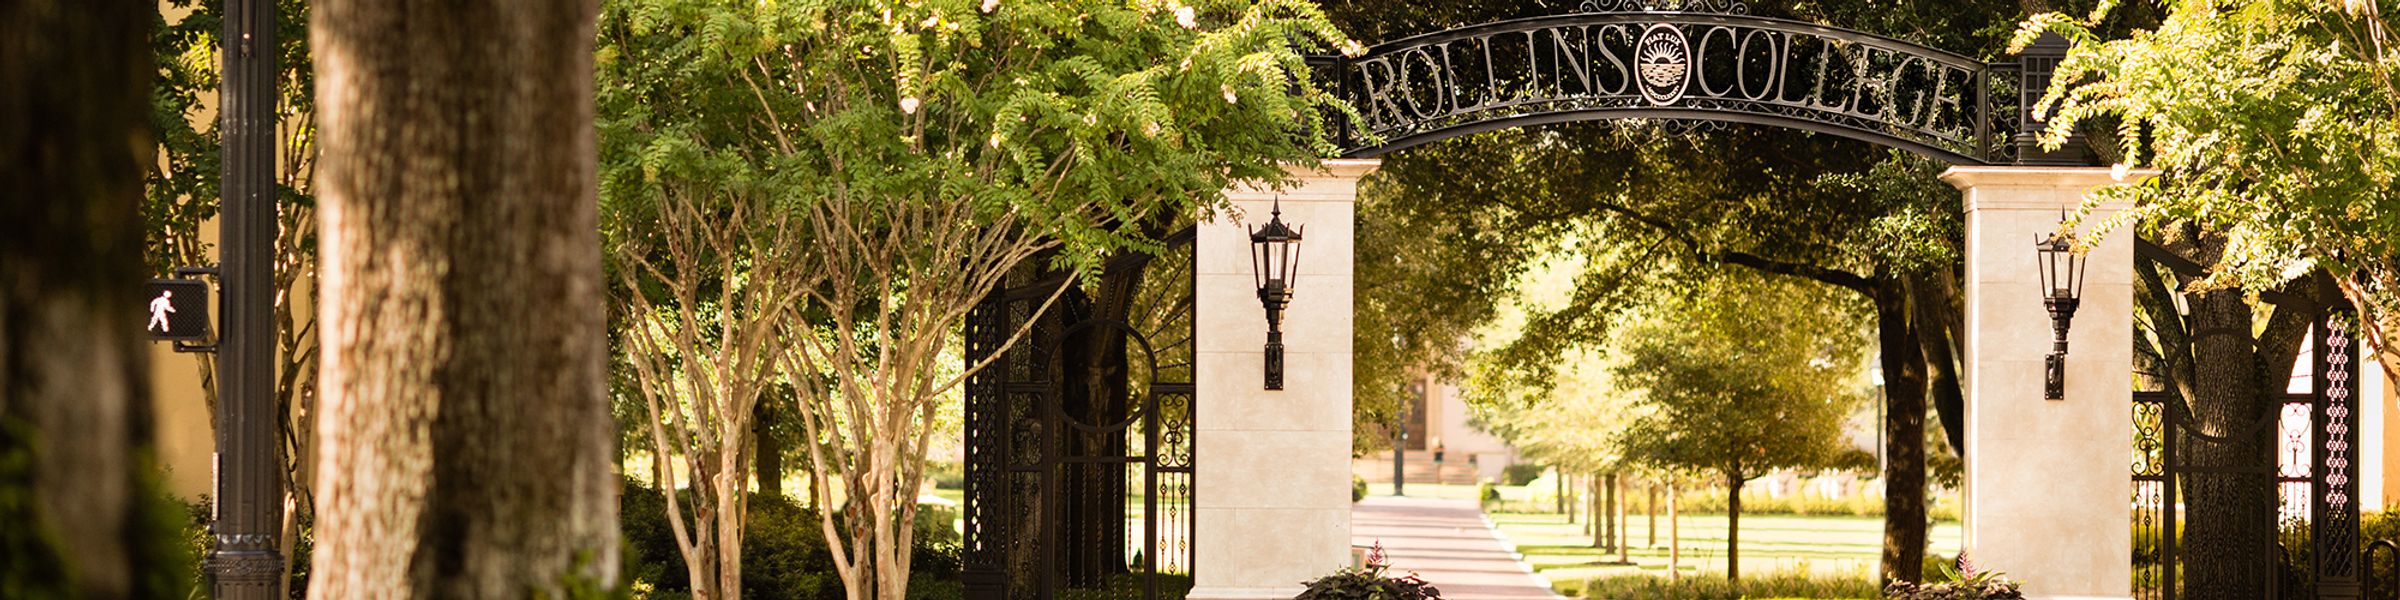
177 310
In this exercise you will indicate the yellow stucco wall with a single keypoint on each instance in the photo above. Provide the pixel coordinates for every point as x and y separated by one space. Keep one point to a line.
185 448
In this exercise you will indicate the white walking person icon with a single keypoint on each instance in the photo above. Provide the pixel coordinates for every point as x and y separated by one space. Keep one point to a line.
159 307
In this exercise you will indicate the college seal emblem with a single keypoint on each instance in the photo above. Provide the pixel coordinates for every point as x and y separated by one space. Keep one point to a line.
1663 58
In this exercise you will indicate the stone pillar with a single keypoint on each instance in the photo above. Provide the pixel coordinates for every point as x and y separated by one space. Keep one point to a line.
1273 499
2048 488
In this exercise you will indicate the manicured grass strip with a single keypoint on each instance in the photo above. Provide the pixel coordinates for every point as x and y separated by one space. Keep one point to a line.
1826 546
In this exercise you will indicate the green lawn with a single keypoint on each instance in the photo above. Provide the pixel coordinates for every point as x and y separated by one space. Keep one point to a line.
1827 545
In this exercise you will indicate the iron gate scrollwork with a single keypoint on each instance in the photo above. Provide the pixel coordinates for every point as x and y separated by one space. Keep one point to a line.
2314 473
1079 437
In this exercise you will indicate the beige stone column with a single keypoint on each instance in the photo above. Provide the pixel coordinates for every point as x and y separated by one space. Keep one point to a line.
1273 499
2048 492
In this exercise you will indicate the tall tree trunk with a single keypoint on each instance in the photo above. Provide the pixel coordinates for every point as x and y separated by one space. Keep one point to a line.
1595 526
1903 433
2231 516
1607 516
465 434
1650 511
1733 525
1623 516
74 396
1938 315
1674 534
769 449
1562 496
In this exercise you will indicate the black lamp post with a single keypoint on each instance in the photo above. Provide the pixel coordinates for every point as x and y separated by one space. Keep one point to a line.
2061 272
1274 255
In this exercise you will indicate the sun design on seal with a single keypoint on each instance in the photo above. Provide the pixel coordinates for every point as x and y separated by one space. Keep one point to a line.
1662 61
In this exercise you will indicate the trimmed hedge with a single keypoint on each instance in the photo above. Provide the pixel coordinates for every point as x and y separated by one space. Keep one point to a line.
1857 505
1521 473
1643 586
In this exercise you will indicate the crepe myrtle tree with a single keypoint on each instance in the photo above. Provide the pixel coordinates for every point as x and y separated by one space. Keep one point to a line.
902 158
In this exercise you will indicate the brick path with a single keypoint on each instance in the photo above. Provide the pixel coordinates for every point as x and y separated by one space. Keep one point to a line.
1447 543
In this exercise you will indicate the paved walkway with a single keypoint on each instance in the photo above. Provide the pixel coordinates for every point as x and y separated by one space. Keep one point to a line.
1449 544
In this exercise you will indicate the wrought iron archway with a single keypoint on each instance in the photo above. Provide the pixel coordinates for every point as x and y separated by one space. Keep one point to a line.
1080 437
1694 62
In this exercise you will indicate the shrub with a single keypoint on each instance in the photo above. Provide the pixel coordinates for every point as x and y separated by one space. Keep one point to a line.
784 556
1798 583
948 475
1939 507
1369 583
1486 493
197 542
783 553
1960 582
1754 503
1521 473
1531 506
934 525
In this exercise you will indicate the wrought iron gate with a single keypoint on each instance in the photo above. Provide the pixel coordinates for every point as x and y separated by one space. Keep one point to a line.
1079 437
2314 470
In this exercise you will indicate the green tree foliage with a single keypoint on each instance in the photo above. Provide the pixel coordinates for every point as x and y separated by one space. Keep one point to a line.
2276 124
1436 279
907 157
1573 420
1740 378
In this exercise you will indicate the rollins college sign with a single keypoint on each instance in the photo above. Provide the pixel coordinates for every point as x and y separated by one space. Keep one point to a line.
1677 66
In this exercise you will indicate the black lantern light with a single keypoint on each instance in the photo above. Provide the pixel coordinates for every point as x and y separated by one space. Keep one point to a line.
2061 272
1274 256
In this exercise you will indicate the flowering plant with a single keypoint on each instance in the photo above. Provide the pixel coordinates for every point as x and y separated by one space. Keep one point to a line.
1965 582
1370 583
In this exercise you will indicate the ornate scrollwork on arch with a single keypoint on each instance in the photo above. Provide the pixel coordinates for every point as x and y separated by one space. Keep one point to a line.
1723 7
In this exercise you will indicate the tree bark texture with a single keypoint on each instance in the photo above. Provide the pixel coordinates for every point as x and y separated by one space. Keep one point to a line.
1903 434
1674 533
1733 524
1938 314
1624 517
1650 511
1608 514
465 437
74 401
2230 517
1597 527
769 450
1561 499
